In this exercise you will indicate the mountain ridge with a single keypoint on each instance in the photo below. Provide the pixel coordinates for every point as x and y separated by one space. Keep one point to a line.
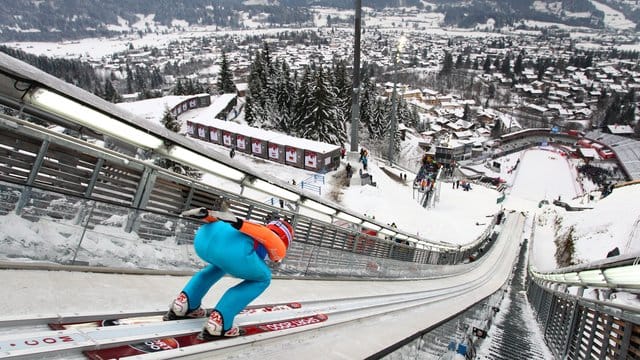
31 20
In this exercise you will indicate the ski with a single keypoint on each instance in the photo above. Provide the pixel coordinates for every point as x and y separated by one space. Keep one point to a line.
253 309
170 343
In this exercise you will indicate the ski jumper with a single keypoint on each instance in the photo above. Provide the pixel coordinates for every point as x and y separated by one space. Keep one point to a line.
237 249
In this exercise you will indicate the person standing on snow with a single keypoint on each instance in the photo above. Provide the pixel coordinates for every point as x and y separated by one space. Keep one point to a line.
230 246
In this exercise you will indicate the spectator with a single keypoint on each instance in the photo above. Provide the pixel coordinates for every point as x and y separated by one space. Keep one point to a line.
349 170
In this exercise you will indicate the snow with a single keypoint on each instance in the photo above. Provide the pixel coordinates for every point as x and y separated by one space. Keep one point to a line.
536 184
614 19
458 218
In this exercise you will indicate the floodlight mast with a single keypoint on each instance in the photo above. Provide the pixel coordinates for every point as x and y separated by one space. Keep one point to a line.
355 98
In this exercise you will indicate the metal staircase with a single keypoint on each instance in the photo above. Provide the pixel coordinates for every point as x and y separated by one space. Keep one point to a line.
510 338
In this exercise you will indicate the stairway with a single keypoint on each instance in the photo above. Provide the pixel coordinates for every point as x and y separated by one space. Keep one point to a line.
511 338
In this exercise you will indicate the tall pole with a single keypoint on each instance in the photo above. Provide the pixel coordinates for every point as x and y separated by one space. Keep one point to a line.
394 107
355 97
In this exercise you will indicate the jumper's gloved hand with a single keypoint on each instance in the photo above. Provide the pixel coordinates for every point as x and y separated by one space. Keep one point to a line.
223 215
210 215
199 213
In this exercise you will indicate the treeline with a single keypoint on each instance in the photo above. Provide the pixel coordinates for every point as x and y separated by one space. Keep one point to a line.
315 102
507 12
74 72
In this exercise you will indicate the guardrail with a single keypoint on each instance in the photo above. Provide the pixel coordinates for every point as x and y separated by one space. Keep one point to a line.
578 328
89 192
37 158
620 272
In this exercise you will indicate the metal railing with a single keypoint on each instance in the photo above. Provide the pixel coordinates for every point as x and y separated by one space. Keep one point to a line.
577 327
87 192
621 272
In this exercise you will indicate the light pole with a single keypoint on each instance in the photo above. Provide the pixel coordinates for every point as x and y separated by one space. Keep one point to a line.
394 102
355 97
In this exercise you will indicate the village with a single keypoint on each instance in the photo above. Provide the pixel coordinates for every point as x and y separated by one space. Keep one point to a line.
500 81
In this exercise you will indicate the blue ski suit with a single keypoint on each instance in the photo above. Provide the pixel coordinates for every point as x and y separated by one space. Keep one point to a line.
229 251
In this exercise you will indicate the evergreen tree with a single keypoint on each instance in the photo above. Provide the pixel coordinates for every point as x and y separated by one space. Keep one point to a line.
492 91
447 64
387 132
173 124
170 122
285 96
256 97
225 83
303 106
156 78
497 129
110 93
178 89
139 78
367 102
517 66
506 66
343 84
612 115
459 62
628 112
129 80
377 123
467 62
325 121
403 113
467 113
189 87
486 66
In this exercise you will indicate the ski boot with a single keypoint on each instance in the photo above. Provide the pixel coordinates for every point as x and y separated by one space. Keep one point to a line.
213 329
179 310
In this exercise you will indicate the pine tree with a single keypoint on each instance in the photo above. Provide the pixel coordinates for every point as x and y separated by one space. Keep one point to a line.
612 115
178 89
628 112
256 96
110 93
156 78
403 113
506 66
173 124
377 123
343 84
459 62
170 122
225 83
517 66
367 103
303 106
325 120
387 108
496 130
447 64
486 66
284 95
129 80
